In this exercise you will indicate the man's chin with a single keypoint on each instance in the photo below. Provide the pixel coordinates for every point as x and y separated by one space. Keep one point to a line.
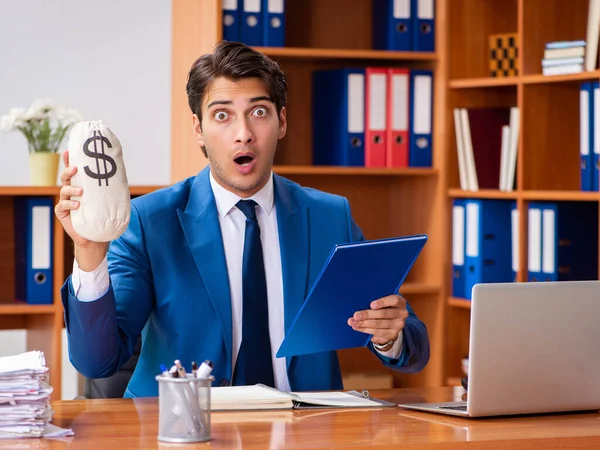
247 184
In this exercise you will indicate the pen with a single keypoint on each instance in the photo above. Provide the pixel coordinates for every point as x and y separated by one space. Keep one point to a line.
205 369
194 368
180 369
164 371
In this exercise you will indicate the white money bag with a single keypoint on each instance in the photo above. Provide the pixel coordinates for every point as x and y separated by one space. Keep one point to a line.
104 211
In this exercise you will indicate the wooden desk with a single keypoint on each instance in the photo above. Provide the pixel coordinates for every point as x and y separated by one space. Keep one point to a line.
133 424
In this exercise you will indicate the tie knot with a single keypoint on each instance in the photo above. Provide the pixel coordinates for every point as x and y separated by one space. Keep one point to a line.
247 207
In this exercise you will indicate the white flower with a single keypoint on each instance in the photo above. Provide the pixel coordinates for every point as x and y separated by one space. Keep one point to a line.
43 106
34 114
67 117
44 124
40 110
14 119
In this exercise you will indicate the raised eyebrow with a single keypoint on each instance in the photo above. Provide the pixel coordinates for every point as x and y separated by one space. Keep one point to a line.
219 102
262 98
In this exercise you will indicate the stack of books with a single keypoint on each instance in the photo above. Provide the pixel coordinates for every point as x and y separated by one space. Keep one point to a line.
563 57
25 397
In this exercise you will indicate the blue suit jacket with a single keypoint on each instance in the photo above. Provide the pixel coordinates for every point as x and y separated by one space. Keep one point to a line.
169 282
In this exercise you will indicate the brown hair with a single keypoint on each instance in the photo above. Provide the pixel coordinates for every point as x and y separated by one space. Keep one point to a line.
234 61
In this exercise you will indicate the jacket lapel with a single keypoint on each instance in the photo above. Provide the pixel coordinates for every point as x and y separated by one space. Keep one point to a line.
292 224
200 223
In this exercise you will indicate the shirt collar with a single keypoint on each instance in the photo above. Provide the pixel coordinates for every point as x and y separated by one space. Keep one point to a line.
226 199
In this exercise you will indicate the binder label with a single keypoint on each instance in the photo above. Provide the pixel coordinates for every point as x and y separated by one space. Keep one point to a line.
549 240
515 239
377 107
597 121
399 102
535 238
472 229
230 5
458 236
584 136
275 6
401 9
252 6
425 9
356 103
422 104
40 239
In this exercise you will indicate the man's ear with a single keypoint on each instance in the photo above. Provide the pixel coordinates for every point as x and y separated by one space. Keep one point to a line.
197 130
282 123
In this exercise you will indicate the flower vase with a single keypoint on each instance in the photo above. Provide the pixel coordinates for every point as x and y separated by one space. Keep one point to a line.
43 168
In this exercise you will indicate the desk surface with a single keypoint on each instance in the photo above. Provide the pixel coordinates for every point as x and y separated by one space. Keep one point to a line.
133 424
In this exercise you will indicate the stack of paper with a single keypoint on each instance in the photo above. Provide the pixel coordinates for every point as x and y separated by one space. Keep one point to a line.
25 396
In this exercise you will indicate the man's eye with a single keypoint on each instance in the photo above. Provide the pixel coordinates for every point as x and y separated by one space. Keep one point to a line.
260 112
221 116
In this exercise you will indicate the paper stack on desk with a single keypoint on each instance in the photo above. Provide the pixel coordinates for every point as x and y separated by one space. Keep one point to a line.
25 397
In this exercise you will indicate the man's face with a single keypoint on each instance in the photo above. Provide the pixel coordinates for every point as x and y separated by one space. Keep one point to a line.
240 130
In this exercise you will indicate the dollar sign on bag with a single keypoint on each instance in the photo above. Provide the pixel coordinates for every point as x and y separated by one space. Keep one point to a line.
99 175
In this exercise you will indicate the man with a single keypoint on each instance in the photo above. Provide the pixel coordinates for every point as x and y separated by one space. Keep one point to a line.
203 275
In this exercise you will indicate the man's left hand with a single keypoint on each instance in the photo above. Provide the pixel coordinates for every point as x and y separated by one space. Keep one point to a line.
385 320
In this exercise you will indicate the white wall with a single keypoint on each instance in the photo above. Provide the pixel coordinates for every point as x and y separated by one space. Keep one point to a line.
111 60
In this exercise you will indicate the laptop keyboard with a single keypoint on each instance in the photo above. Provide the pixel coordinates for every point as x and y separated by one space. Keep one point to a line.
456 408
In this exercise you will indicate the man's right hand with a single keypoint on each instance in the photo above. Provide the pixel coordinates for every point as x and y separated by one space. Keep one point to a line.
88 254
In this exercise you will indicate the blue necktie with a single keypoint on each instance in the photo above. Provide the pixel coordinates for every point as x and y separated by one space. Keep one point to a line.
254 363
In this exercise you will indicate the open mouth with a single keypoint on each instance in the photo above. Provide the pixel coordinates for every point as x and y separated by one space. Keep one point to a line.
244 160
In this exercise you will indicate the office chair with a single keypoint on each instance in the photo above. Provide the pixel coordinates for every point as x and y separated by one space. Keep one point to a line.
115 385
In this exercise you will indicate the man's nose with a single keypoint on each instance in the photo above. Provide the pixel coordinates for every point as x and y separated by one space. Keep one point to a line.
244 134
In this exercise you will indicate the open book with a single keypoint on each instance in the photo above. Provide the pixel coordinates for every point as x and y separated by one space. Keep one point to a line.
260 396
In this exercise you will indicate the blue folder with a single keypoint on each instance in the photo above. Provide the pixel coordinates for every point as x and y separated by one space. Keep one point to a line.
353 276
391 24
423 25
273 23
338 117
569 241
34 253
421 118
488 252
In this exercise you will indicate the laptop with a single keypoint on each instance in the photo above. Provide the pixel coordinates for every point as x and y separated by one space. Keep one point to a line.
533 349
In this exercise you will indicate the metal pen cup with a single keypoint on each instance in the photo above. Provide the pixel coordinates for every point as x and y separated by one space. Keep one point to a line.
184 408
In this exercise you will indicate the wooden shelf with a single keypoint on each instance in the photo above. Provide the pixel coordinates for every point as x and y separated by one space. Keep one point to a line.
55 190
483 193
141 190
21 308
561 195
469 83
419 288
332 53
527 195
29 190
541 79
459 303
454 381
335 170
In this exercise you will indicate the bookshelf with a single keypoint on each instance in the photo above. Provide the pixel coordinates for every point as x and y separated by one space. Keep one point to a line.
548 150
385 202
